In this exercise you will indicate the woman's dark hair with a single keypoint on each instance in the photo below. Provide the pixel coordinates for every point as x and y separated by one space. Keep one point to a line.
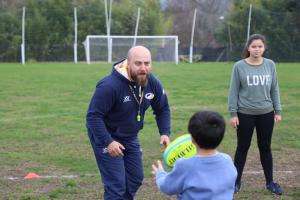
246 53
207 129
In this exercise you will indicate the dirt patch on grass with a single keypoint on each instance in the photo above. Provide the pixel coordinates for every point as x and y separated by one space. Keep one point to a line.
286 172
286 165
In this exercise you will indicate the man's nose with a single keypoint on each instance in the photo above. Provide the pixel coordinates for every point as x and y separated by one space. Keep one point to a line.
143 68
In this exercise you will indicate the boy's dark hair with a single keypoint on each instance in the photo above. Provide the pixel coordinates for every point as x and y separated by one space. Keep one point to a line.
246 53
207 129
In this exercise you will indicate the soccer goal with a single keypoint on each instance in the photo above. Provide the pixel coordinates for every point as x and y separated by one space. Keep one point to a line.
113 48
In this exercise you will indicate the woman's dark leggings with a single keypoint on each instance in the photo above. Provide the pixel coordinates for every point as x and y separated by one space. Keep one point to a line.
264 127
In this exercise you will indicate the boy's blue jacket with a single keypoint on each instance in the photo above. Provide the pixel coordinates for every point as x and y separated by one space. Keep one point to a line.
113 110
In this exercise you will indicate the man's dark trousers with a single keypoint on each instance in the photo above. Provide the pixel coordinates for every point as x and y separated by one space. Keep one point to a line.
121 176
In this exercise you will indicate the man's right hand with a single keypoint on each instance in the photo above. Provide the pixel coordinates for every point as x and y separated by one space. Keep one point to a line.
115 149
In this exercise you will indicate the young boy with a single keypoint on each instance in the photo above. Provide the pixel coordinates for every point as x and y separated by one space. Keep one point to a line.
207 175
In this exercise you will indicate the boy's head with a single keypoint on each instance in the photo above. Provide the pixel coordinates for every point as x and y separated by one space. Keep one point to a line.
207 129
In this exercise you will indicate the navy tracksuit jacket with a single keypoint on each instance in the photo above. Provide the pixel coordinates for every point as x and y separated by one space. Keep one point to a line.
112 115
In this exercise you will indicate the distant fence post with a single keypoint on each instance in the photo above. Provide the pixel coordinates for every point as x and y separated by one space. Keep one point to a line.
23 38
75 35
192 37
136 27
249 22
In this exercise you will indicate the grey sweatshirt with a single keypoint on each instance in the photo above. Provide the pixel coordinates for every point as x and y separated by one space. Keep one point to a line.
254 89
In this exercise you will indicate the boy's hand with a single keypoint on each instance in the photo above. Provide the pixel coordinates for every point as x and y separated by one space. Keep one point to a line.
157 167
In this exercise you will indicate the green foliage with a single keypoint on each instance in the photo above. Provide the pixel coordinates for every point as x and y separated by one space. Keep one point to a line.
10 36
36 32
125 12
49 26
277 20
151 19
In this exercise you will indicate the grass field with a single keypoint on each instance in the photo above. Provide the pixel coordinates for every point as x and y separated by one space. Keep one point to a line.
42 128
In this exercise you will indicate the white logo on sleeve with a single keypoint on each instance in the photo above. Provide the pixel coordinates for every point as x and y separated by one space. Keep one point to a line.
126 99
149 96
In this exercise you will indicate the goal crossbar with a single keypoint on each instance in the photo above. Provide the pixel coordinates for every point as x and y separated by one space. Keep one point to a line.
115 47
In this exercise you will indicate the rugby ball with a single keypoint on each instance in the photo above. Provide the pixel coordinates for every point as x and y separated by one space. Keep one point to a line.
181 147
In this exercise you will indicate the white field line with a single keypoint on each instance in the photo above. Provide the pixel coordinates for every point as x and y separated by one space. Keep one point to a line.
63 114
275 172
38 117
51 177
92 175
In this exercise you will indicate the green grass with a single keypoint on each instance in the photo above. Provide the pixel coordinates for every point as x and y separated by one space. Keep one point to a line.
42 125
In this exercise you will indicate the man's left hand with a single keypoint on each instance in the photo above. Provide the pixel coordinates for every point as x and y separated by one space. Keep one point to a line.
164 140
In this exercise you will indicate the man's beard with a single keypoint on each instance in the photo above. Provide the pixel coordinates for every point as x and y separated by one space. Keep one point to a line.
141 80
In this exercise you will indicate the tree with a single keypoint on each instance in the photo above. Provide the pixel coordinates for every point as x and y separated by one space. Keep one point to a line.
10 35
278 20
124 17
50 29
208 18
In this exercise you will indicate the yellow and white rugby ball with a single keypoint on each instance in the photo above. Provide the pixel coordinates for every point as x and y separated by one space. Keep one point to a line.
181 147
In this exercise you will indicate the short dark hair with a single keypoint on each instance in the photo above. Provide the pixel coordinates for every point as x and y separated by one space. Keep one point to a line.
207 129
246 53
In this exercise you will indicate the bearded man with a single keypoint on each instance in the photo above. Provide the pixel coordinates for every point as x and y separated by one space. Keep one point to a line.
116 115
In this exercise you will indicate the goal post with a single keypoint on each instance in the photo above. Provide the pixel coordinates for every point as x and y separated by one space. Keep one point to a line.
113 48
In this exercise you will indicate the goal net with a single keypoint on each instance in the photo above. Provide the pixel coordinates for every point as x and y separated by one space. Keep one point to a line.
113 48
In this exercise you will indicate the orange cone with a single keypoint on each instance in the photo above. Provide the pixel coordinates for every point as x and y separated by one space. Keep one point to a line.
31 176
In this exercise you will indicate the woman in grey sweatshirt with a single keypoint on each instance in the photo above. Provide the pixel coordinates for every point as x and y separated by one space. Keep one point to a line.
254 102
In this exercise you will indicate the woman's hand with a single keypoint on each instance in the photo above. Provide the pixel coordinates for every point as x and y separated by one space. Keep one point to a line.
277 118
234 122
